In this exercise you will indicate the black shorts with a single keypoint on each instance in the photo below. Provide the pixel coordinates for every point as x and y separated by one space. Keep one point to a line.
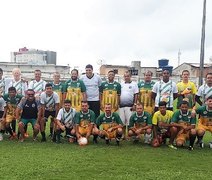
1 113
95 107
49 113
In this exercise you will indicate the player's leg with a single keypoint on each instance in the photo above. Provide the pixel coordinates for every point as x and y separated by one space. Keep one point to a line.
21 129
148 136
173 134
95 133
119 133
192 137
200 133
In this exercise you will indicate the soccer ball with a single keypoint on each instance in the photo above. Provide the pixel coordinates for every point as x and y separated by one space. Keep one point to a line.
82 141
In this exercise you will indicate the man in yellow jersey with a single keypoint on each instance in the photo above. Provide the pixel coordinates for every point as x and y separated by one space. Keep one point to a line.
186 90
161 124
110 92
75 90
145 92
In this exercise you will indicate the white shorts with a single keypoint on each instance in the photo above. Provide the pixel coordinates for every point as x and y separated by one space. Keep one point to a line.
125 114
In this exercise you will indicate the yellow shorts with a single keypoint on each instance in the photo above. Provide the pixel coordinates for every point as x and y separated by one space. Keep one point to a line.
110 135
83 130
9 118
182 136
135 129
204 127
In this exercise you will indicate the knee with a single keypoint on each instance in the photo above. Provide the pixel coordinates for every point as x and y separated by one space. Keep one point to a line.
130 133
200 132
179 143
73 132
173 130
149 131
119 131
193 132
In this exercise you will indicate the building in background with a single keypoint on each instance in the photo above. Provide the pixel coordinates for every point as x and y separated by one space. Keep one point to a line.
27 70
34 56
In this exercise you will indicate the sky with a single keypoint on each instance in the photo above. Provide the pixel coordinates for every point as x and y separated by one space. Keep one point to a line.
113 32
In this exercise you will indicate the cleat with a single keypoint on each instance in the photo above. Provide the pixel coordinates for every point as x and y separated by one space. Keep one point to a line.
21 140
135 141
201 145
1 137
43 140
190 148
210 145
117 141
172 146
107 141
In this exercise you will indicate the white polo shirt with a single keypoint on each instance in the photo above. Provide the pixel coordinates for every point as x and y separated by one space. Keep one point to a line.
128 90
92 86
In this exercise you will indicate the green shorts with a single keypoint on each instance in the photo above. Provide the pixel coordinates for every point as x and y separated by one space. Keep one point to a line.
26 121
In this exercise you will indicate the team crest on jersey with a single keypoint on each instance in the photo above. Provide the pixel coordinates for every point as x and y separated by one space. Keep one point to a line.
78 84
180 116
205 112
113 118
33 105
130 87
136 119
81 115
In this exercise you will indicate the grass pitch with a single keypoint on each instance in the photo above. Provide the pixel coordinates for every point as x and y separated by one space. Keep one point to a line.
36 160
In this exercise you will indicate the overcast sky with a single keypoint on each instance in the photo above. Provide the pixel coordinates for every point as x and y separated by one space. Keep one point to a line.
115 31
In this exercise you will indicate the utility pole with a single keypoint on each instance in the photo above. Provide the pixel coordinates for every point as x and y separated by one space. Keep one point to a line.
202 51
179 54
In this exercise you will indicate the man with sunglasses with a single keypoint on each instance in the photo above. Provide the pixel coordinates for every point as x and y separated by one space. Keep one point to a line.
27 112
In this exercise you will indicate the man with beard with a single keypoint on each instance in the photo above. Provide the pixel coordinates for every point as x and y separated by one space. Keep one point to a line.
74 90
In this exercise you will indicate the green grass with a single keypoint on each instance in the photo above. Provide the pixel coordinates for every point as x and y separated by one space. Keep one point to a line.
36 160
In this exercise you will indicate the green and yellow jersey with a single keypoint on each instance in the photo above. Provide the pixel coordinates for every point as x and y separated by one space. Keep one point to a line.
187 119
138 121
59 89
145 95
108 121
74 90
205 115
109 94
11 103
158 117
84 119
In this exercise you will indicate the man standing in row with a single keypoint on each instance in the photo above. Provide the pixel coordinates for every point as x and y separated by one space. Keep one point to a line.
110 92
75 90
145 92
164 90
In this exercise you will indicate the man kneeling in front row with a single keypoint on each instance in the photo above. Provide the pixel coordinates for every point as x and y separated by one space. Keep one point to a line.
111 125
27 112
65 122
140 123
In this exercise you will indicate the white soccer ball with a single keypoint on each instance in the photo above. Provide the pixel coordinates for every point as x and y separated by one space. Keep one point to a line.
82 141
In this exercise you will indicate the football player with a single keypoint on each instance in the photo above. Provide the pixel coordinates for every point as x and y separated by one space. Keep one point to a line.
183 126
111 125
140 123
